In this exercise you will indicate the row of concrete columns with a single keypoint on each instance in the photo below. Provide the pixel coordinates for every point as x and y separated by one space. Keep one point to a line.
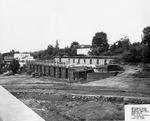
53 71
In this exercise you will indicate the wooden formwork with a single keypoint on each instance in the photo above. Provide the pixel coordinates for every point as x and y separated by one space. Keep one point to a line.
63 73
28 67
33 67
43 69
50 68
36 67
47 70
70 73
52 71
57 72
66 73
39 68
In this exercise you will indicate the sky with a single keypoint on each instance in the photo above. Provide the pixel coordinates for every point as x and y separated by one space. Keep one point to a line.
32 25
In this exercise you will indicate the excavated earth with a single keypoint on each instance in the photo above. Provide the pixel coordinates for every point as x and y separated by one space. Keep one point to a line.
60 100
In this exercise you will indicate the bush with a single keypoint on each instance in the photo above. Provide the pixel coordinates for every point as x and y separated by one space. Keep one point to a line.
29 72
107 53
14 66
131 56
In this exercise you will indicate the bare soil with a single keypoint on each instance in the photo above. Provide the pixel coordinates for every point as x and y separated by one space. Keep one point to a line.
59 100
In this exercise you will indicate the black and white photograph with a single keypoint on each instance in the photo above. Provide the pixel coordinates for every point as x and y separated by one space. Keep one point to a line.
74 60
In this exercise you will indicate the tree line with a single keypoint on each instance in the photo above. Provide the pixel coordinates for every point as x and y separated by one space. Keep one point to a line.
129 52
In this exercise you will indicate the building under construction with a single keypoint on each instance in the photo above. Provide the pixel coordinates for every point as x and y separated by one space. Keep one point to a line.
69 71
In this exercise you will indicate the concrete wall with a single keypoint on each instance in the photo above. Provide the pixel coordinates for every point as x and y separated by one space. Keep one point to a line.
76 60
52 71
94 61
86 60
71 61
97 76
33 67
70 74
82 60
47 70
58 72
101 61
63 72
65 60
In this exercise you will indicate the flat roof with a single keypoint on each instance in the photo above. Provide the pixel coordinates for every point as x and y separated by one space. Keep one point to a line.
97 57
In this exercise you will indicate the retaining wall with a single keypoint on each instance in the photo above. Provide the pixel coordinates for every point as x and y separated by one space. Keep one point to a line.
53 71
97 76
65 72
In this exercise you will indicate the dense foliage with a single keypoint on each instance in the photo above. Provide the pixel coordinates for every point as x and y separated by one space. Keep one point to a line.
130 52
14 66
99 44
51 51
146 45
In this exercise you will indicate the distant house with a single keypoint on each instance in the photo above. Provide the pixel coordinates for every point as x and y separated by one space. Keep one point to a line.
83 49
23 58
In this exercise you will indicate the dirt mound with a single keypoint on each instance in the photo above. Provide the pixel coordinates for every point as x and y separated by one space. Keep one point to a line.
97 110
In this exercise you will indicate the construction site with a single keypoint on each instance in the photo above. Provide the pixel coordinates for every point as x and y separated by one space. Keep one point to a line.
59 91
78 70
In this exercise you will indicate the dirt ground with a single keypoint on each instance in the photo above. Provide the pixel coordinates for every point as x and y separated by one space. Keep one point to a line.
58 100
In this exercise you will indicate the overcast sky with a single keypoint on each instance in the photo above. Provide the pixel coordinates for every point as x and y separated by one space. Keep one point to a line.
31 25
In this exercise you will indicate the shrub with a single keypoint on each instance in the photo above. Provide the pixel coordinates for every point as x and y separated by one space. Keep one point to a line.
14 66
29 72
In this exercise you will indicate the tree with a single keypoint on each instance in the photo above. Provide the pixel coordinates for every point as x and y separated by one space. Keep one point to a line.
50 50
74 44
121 46
146 45
57 44
73 48
11 53
113 47
99 43
56 49
133 55
146 36
14 66
67 51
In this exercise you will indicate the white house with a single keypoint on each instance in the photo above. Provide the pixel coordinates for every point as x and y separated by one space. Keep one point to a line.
83 49
23 58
